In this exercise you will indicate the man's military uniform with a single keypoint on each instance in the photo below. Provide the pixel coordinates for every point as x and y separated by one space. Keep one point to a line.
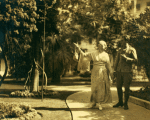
123 67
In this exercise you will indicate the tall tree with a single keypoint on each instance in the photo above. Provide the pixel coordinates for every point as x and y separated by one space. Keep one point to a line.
23 18
140 38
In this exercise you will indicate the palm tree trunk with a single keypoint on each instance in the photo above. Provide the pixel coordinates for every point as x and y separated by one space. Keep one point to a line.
55 72
56 76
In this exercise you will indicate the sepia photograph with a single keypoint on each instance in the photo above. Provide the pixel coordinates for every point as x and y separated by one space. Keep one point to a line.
74 59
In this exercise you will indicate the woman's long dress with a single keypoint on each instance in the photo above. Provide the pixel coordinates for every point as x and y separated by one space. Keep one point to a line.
100 82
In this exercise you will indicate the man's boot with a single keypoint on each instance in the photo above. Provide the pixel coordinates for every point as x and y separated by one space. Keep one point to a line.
126 101
120 103
126 106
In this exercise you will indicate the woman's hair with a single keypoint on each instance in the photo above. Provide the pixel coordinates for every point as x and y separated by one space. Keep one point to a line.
103 43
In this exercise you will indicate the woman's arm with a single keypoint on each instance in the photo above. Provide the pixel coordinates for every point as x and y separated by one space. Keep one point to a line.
82 53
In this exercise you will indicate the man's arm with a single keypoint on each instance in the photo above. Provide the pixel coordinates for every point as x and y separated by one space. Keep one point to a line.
134 55
134 59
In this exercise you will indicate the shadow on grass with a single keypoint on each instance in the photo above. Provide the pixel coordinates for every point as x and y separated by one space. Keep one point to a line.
51 109
64 109
62 95
14 82
135 84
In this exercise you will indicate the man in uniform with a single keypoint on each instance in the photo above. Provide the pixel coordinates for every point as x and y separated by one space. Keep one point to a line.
126 56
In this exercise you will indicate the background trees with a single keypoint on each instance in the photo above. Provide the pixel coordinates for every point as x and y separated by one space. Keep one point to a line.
58 57
24 25
67 21
140 38
24 28
107 20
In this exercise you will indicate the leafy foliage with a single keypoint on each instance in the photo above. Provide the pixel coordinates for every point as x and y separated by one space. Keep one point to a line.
72 21
60 53
19 20
103 19
23 25
13 110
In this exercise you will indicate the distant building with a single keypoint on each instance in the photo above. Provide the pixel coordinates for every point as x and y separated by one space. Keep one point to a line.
138 6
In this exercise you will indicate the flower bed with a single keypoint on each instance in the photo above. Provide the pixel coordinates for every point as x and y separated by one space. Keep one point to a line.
14 111
27 93
143 93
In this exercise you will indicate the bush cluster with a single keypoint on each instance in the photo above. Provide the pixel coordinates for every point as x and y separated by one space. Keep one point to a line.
14 111
143 93
27 93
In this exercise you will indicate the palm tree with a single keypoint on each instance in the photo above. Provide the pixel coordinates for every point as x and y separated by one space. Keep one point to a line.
58 57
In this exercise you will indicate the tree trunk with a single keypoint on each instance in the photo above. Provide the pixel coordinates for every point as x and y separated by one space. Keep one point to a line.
147 70
5 57
55 77
34 79
6 68
148 75
55 72
35 72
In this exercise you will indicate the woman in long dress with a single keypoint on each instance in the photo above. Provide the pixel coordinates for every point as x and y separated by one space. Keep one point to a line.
100 75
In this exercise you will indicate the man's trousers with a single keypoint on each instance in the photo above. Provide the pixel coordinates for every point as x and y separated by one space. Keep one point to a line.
126 79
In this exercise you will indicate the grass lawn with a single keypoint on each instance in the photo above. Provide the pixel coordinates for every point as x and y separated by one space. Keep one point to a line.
51 108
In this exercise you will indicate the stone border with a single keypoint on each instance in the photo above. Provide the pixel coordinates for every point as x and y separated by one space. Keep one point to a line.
140 102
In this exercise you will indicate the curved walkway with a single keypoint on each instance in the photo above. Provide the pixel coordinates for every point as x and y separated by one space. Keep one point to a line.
79 105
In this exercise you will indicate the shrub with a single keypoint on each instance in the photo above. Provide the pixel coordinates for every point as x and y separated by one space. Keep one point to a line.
15 110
